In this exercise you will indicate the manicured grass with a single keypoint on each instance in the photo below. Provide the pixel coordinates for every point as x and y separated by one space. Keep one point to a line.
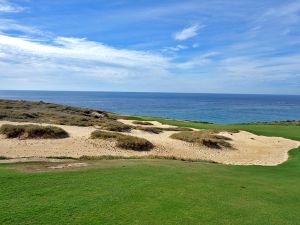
154 192
159 191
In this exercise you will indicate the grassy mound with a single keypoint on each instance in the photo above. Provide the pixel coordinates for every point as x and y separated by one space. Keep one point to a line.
99 134
134 143
154 130
145 123
209 139
32 131
124 141
115 126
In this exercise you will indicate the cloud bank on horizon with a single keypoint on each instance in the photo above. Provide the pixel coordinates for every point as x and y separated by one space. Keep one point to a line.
169 46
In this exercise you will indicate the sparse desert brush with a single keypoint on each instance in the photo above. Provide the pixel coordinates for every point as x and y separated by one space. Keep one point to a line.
113 125
154 130
145 123
134 143
41 112
3 157
177 129
99 134
32 131
208 138
124 141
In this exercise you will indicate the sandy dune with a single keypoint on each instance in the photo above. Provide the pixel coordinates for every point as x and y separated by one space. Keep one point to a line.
250 149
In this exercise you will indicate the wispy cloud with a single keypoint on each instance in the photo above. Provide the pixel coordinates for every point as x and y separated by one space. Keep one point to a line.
8 7
12 25
187 33
67 55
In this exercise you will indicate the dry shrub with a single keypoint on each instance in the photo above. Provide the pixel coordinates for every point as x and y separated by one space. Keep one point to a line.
134 143
207 138
124 141
154 130
177 129
115 126
142 123
99 134
32 131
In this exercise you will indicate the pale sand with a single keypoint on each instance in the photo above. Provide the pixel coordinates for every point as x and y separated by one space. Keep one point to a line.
250 149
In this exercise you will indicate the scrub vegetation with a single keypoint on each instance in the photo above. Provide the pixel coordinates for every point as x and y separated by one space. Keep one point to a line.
210 139
124 141
32 132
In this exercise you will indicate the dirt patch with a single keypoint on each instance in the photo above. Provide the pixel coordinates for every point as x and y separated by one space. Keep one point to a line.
69 165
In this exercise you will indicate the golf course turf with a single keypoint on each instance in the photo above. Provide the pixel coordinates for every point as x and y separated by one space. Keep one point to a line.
156 191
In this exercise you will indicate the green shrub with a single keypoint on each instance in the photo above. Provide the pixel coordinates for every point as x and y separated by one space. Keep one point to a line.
142 123
209 139
32 131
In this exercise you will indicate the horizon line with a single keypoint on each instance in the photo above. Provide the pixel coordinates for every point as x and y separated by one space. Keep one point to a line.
156 92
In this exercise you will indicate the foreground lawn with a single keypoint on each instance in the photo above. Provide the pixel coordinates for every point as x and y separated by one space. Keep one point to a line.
158 191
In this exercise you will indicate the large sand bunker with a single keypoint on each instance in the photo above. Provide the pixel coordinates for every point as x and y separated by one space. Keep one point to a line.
249 149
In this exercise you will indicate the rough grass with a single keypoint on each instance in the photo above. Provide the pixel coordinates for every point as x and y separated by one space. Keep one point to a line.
99 134
154 130
124 141
134 143
115 126
207 138
32 132
177 129
145 123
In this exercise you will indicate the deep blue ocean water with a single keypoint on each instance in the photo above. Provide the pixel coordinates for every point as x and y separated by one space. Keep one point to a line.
216 108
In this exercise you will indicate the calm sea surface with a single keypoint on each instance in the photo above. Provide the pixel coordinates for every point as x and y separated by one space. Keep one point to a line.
216 108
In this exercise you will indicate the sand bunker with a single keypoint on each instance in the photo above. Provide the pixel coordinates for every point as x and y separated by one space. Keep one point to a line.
249 149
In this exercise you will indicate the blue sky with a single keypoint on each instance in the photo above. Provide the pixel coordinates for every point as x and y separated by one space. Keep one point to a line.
217 46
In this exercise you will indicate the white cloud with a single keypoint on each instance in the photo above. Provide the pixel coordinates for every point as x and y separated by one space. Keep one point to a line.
8 7
23 57
187 33
12 25
175 49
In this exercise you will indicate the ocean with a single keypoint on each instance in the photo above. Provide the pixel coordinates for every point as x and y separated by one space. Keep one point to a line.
215 108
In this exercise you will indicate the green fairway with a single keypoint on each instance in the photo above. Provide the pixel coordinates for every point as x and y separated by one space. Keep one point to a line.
158 191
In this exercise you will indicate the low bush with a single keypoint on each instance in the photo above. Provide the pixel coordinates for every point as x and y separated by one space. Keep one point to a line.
3 157
124 141
177 129
142 123
99 134
134 143
154 130
115 126
32 131
210 139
